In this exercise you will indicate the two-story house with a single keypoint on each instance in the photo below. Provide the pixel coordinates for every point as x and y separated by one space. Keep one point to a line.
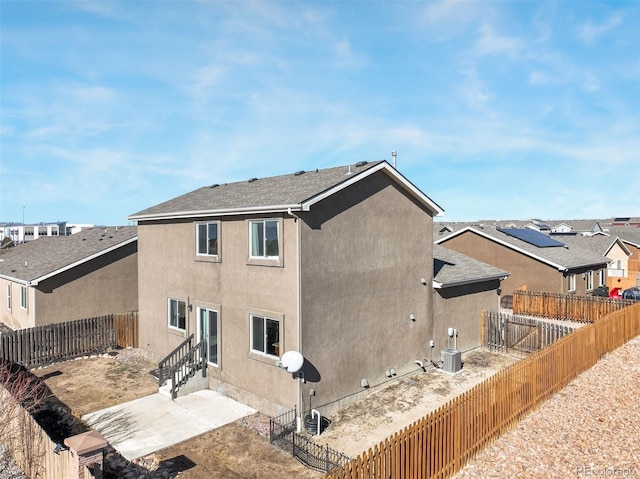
335 264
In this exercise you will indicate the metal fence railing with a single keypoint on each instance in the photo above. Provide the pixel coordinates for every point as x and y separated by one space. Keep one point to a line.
282 433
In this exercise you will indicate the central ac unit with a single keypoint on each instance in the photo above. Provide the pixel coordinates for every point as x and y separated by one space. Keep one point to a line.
451 360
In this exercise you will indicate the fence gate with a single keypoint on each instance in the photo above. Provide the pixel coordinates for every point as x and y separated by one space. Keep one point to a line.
520 335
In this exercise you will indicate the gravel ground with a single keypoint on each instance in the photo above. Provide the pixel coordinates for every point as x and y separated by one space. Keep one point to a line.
591 428
8 468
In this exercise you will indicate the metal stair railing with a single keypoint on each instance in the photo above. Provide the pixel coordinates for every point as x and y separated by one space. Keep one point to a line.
187 366
166 364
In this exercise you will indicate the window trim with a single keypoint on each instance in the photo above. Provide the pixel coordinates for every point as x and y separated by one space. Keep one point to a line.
169 325
265 318
589 279
24 298
264 222
212 258
571 283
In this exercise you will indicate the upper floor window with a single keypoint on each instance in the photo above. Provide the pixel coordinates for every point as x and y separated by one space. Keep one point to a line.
264 238
265 335
589 280
207 239
23 297
571 282
177 314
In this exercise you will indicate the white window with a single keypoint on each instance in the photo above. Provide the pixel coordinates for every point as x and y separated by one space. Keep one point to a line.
265 335
264 238
571 284
601 277
207 239
9 296
208 331
589 280
23 297
177 314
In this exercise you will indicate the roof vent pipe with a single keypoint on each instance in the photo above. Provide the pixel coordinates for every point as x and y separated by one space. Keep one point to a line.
394 155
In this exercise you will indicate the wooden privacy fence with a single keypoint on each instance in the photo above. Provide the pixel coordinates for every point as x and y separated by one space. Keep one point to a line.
441 443
508 333
31 447
565 306
42 345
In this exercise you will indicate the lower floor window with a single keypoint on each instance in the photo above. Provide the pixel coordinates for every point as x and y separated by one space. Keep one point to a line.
571 282
601 278
23 297
177 314
265 335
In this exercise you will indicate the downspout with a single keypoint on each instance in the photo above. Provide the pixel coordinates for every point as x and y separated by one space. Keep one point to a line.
299 313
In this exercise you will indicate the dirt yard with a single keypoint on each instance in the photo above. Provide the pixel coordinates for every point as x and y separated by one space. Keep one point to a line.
90 384
241 449
405 400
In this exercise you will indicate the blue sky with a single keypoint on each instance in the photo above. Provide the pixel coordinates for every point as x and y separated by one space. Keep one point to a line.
496 109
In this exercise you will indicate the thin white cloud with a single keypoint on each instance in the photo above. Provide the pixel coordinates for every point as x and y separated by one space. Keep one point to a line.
492 43
539 78
449 18
591 83
590 31
473 89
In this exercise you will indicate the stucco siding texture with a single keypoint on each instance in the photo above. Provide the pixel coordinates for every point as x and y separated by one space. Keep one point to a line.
235 289
461 308
105 285
13 315
364 252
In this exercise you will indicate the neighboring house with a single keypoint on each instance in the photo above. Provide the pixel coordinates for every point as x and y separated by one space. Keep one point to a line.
462 288
63 278
612 248
335 264
533 259
20 233
630 236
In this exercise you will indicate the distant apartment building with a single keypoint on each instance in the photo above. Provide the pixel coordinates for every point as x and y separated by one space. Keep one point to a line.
21 233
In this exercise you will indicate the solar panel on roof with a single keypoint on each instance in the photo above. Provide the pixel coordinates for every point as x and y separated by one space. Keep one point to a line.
533 237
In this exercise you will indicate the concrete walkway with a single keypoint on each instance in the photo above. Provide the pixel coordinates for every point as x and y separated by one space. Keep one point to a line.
140 427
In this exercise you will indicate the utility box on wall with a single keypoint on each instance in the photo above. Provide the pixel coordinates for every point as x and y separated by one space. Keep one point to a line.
451 360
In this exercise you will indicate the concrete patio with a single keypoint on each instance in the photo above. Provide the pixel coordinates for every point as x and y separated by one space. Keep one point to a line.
140 427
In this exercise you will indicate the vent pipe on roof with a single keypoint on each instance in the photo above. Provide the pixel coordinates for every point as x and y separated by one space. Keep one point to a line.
394 155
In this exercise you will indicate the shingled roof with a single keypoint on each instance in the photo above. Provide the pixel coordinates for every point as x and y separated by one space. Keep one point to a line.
297 191
562 258
37 260
597 244
451 268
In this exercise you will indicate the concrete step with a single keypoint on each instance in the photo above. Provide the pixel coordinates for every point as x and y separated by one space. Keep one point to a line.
195 383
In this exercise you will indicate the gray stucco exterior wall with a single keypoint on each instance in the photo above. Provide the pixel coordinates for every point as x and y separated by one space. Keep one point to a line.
105 285
461 308
364 253
232 286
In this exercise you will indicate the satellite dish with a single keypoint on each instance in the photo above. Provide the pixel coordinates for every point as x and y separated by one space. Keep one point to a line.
292 361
